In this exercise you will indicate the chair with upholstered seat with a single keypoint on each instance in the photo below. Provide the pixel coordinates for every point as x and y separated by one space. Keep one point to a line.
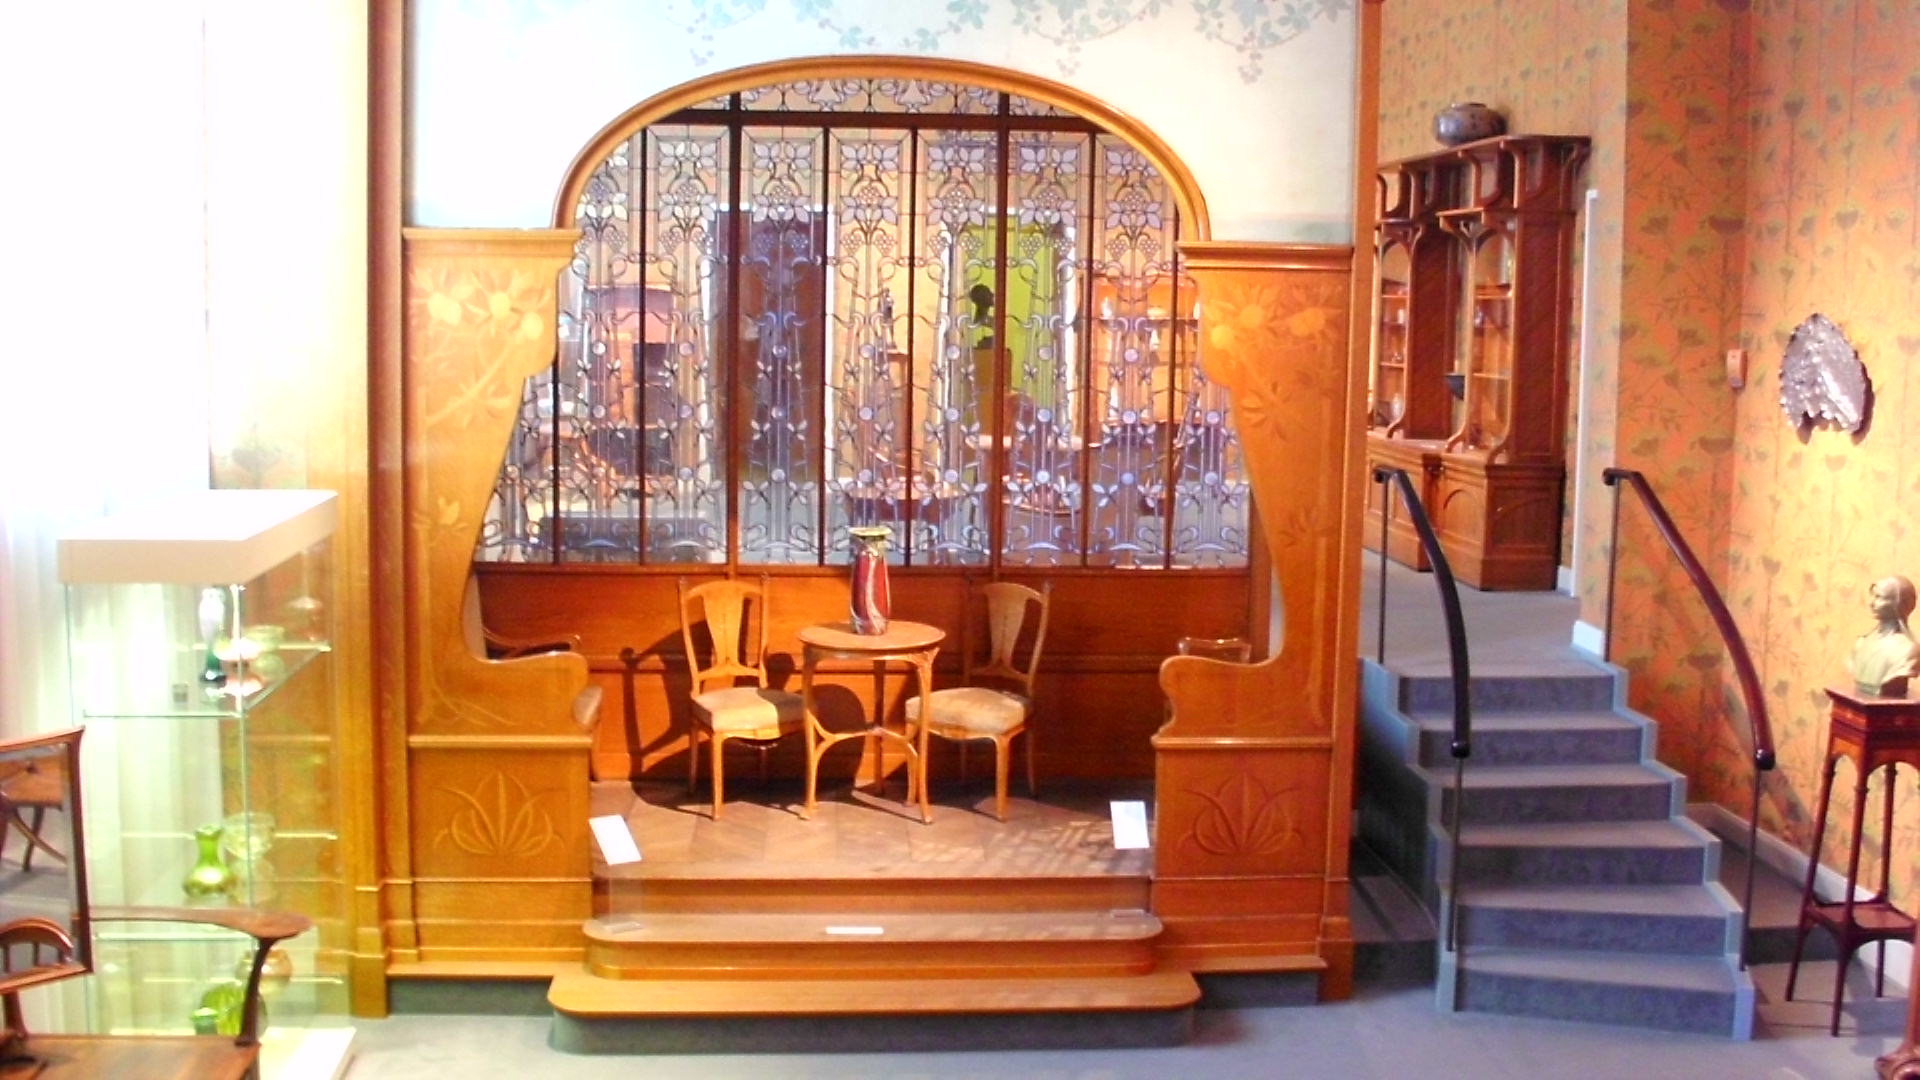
998 711
735 616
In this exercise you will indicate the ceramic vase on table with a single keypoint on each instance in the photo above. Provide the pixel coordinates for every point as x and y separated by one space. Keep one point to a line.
871 604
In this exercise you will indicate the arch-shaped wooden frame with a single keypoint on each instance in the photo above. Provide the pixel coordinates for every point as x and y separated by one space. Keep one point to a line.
1186 190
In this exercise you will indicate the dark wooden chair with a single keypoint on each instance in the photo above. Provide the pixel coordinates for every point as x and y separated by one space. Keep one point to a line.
28 946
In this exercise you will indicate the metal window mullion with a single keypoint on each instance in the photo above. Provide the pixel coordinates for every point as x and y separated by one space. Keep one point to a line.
1002 379
728 384
824 436
644 496
912 248
1169 484
1085 359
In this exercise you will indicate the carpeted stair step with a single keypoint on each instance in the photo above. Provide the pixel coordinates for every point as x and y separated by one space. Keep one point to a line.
1580 853
1671 919
1424 694
1558 793
1700 994
1530 738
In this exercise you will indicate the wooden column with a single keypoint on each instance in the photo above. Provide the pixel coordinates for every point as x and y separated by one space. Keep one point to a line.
1254 772
495 784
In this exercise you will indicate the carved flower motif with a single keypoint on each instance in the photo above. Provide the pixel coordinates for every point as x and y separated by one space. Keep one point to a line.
1244 819
499 819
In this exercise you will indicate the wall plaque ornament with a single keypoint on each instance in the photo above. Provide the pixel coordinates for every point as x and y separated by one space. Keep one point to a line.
1822 380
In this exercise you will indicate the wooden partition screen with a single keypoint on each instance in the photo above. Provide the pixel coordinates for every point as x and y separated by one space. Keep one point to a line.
494 766
1254 781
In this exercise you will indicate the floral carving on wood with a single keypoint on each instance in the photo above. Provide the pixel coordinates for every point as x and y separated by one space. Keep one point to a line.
499 818
1243 819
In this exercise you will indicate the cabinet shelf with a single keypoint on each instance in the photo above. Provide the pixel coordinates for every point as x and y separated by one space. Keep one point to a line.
204 703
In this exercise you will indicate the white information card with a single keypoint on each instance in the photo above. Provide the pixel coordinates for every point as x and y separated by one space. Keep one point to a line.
1130 825
615 839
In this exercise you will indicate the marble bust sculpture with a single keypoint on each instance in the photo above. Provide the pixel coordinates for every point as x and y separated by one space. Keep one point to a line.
1885 657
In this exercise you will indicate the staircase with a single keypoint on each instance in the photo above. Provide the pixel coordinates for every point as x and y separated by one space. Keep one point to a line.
839 956
1585 893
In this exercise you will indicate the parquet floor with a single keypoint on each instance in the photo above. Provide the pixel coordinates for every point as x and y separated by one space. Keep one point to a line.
866 833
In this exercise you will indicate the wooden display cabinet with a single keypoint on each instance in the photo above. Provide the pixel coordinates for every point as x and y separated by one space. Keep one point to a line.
1488 227
1410 414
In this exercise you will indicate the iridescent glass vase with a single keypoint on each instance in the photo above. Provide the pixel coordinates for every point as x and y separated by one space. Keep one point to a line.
871 603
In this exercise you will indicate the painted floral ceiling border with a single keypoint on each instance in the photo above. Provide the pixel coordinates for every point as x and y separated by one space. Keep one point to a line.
1250 27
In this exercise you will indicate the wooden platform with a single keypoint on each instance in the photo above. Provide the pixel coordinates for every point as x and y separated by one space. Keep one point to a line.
1034 929
868 851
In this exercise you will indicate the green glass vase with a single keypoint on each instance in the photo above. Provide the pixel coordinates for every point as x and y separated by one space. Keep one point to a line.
210 879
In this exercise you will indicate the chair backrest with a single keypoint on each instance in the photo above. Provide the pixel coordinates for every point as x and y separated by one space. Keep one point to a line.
735 615
1010 608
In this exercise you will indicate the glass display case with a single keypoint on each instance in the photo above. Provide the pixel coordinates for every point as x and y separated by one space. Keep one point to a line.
199 639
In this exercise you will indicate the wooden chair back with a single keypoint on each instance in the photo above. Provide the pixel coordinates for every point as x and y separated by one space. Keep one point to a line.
735 615
1009 609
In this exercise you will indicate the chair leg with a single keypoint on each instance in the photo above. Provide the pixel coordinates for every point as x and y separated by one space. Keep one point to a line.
693 758
1002 762
717 744
1033 786
963 761
40 817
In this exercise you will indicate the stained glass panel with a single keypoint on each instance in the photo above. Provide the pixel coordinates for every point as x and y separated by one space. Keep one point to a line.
781 313
1134 291
888 345
956 209
1041 317
867 363
685 463
874 96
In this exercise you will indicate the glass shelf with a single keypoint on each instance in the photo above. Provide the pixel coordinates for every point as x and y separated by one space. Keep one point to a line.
208 703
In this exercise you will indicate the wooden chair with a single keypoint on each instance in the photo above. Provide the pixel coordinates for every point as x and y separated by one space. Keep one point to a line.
39 786
737 650
998 712
36 950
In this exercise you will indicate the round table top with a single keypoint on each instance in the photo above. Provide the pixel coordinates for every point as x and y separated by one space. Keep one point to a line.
900 636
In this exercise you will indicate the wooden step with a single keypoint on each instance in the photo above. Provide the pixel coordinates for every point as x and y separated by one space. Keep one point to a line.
868 945
582 994
803 888
592 1015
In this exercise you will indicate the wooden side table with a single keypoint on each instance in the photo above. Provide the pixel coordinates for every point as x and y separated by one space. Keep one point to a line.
910 642
1874 733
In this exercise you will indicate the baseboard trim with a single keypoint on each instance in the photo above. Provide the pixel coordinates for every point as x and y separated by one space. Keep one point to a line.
1563 580
1589 639
1791 863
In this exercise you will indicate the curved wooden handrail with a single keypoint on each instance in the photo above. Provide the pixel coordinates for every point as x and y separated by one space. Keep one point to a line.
1744 671
1462 744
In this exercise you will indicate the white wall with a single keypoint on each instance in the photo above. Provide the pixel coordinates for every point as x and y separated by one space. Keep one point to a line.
504 93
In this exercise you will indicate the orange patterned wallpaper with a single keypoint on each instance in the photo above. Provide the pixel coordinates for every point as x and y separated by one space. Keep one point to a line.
1757 162
1832 225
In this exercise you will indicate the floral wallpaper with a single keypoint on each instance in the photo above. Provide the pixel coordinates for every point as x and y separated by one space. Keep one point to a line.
1248 94
1832 224
1757 162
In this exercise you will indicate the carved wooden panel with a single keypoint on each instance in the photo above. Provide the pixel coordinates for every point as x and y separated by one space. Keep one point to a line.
495 785
1254 770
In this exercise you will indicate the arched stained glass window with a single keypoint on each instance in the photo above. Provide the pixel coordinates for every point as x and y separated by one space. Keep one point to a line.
943 308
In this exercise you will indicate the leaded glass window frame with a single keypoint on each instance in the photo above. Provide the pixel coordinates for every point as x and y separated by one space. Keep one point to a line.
836 302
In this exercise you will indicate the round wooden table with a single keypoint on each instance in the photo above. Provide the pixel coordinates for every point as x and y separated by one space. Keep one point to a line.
904 642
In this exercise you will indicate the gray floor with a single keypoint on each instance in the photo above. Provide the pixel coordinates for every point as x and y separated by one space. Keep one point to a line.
1386 1031
1381 1033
